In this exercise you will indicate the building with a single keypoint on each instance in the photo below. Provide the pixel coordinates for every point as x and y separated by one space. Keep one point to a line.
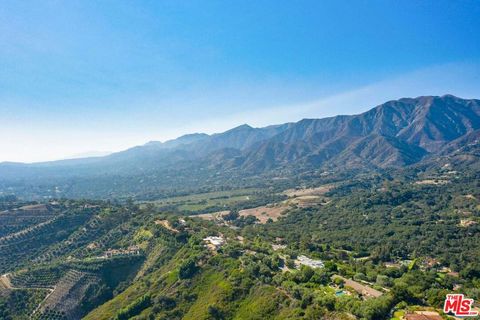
214 242
362 289
306 261
276 247
392 265
130 251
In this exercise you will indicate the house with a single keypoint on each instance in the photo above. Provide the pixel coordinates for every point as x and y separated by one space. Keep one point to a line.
392 265
362 289
306 261
213 242
276 247
131 250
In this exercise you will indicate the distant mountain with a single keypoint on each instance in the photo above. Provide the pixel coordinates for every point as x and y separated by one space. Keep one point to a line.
181 141
89 154
395 134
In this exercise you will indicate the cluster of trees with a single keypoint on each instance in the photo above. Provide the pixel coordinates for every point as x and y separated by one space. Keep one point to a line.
396 221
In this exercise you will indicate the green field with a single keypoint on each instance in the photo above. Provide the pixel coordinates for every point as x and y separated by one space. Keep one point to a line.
201 201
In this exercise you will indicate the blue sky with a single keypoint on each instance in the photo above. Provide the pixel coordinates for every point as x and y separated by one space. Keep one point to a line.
77 76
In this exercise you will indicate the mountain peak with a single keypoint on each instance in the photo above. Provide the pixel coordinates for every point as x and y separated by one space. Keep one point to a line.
153 143
449 96
242 127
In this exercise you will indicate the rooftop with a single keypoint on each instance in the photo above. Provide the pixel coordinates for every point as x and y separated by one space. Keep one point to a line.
306 261
216 241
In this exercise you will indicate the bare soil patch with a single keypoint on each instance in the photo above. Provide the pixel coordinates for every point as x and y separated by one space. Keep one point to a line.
264 213
5 282
166 225
431 182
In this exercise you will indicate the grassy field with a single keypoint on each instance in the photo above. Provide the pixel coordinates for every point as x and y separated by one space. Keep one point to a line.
203 201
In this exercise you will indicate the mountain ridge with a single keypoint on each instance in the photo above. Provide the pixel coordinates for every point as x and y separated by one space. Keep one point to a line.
396 133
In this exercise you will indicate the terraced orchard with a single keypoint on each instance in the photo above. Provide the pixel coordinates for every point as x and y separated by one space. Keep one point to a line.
59 260
45 277
28 237
13 221
64 301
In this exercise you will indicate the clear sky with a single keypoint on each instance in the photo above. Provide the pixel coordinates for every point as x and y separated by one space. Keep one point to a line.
81 76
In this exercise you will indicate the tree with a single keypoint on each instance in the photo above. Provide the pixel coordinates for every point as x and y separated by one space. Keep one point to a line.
360 277
215 313
306 273
231 216
383 281
339 282
164 302
187 269
320 277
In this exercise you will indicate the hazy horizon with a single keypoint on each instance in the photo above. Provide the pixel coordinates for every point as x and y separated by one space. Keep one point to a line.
79 76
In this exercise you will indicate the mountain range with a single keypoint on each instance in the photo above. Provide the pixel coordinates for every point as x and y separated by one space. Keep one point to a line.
394 134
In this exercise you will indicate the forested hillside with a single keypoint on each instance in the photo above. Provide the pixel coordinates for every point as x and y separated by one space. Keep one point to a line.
370 245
